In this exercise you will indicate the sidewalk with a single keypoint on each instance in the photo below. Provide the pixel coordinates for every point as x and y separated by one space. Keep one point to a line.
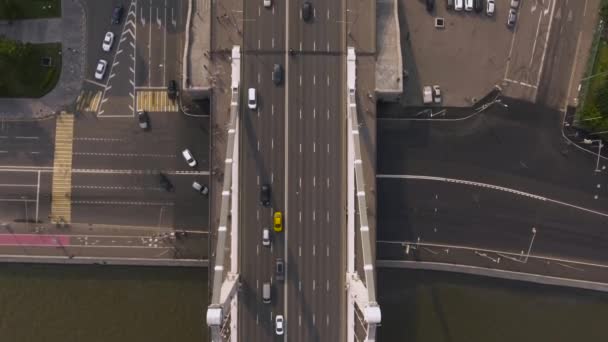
69 30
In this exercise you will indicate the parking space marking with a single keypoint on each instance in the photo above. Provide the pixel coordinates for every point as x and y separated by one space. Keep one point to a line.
61 210
88 101
155 101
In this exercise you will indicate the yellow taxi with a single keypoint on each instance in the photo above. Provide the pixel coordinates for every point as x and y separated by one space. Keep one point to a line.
278 221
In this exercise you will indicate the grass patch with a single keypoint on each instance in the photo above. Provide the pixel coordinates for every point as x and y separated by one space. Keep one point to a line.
591 117
29 9
23 74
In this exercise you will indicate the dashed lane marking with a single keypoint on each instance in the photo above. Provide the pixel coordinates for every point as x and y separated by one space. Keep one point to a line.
129 155
155 101
102 171
100 139
124 203
61 210
98 187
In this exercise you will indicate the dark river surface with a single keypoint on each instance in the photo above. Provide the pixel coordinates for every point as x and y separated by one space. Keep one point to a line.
123 304
101 303
425 306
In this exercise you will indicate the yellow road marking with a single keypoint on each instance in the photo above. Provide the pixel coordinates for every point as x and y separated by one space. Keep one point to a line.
155 101
61 204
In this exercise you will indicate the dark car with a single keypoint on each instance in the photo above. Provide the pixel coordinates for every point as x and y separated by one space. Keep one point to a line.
142 118
117 14
280 269
307 11
265 195
277 74
430 5
478 5
172 90
450 4
165 183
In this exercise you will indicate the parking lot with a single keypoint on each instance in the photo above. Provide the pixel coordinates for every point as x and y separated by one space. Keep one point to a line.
474 52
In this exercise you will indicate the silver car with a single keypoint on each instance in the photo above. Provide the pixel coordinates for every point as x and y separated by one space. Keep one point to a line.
108 40
100 71
512 17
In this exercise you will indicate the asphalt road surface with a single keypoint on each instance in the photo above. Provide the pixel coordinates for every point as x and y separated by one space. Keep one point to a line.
294 141
509 170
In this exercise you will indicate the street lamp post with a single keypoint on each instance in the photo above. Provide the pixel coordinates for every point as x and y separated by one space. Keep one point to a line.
531 242
24 198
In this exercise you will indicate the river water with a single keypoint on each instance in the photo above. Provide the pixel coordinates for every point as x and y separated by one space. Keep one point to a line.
123 304
42 303
424 306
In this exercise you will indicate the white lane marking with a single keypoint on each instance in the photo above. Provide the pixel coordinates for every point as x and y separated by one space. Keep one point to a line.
272 143
300 113
165 46
328 182
124 203
314 113
129 155
272 107
299 250
300 285
19 185
328 114
258 145
300 147
540 20
314 181
542 60
259 44
314 79
327 216
300 216
271 177
273 42
327 286
493 187
121 188
257 252
314 215
314 250
300 182
37 196
328 81
300 80
327 148
314 147
258 78
327 250
314 45
22 137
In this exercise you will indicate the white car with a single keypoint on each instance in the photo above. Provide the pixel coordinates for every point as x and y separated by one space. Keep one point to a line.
512 17
514 4
108 40
266 237
278 325
468 5
100 71
252 100
189 158
436 94
458 5
490 8
267 3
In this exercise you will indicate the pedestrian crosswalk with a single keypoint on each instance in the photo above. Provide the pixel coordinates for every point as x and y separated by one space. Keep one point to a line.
155 101
88 101
61 206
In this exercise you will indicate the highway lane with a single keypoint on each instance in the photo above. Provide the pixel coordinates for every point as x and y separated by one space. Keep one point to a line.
262 153
316 189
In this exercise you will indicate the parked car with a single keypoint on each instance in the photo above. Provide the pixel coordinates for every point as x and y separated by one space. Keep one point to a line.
478 5
189 158
430 5
142 118
468 5
100 71
512 17
117 14
307 11
436 94
458 5
108 40
450 4
515 4
267 3
490 8
252 99
266 237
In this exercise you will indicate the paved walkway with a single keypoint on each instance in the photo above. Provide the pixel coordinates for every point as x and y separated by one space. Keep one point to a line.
70 31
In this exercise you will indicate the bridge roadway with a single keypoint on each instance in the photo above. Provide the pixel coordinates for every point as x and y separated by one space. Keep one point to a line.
295 142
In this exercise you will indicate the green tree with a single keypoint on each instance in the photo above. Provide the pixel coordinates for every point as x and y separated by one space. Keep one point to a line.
604 12
9 10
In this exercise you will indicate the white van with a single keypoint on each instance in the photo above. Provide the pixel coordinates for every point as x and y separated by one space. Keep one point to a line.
458 5
252 101
468 5
266 293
